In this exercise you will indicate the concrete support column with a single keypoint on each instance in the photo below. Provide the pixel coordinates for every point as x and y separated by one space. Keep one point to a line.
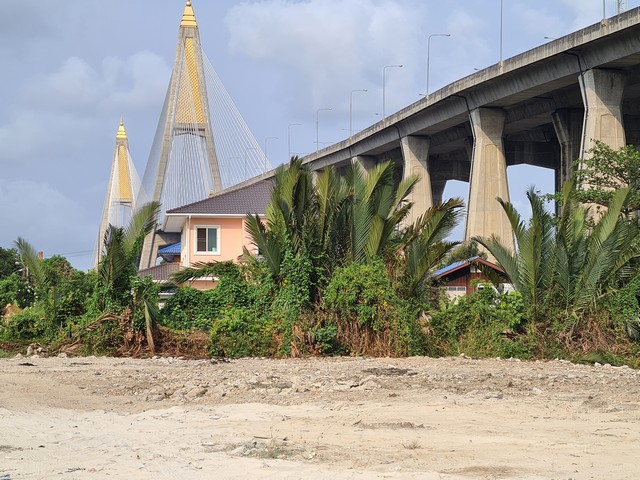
632 130
485 216
415 154
437 189
567 123
602 92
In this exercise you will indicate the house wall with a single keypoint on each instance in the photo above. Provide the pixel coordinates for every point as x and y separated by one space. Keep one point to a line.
232 239
465 279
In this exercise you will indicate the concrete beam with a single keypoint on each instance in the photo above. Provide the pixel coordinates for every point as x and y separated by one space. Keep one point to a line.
364 162
415 152
538 154
485 216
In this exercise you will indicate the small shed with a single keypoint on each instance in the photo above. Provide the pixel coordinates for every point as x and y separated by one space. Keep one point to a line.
458 278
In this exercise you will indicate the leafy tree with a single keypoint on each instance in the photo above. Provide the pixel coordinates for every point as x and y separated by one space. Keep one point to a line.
9 260
15 290
606 170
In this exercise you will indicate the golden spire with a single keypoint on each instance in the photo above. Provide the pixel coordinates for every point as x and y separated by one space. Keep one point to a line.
188 17
121 135
125 192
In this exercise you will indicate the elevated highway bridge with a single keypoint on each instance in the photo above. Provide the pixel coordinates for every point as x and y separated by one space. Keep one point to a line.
544 107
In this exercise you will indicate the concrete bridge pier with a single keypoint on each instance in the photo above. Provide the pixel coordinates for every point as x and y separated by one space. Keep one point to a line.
632 130
415 154
485 216
602 92
567 123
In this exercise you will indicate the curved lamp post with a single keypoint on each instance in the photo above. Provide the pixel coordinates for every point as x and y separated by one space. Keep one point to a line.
351 110
318 126
384 81
289 136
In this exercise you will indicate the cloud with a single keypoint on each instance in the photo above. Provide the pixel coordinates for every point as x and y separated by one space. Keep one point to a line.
32 135
328 44
76 86
586 13
146 75
32 210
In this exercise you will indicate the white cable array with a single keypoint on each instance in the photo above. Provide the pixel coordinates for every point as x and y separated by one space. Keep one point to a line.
239 154
187 175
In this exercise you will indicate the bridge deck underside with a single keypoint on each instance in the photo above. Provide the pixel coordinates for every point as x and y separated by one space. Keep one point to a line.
530 89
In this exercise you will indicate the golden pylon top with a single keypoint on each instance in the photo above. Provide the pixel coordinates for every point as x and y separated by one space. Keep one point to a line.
188 17
122 134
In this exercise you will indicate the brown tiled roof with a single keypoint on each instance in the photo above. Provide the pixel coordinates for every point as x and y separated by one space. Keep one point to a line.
250 199
160 273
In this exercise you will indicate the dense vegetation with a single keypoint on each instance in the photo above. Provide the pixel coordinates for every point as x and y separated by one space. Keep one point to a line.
340 271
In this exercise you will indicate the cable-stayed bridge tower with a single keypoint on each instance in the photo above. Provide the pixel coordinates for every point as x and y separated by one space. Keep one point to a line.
202 144
124 183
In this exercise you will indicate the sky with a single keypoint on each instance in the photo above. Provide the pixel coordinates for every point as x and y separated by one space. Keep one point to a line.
72 68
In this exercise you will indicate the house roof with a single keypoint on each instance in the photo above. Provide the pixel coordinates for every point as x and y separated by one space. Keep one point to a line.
160 273
234 202
444 271
248 199
170 249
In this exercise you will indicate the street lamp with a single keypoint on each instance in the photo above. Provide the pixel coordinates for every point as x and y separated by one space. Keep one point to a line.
384 79
289 137
501 5
318 125
266 159
351 110
429 52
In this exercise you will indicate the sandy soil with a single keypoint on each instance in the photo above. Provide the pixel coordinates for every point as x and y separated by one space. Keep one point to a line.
345 418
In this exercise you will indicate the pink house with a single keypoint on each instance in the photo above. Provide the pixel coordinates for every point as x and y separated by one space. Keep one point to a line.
212 229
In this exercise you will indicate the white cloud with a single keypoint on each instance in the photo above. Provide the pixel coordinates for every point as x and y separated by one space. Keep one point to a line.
328 45
133 83
147 75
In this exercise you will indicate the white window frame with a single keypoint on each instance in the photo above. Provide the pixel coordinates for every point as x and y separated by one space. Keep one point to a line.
456 289
195 243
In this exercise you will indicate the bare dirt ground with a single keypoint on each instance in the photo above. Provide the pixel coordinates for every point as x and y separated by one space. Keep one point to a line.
338 418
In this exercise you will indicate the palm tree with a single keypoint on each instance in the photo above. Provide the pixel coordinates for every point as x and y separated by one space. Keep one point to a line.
122 247
121 250
566 263
423 244
377 208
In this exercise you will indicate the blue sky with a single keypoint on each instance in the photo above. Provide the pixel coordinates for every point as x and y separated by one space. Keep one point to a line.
73 68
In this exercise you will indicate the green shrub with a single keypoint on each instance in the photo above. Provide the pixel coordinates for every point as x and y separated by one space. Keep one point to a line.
29 325
483 324
15 290
370 319
187 309
239 332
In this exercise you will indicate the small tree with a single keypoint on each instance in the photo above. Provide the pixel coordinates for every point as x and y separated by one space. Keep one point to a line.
606 170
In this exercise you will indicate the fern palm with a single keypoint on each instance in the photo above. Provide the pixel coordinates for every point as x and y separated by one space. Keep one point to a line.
424 245
566 263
